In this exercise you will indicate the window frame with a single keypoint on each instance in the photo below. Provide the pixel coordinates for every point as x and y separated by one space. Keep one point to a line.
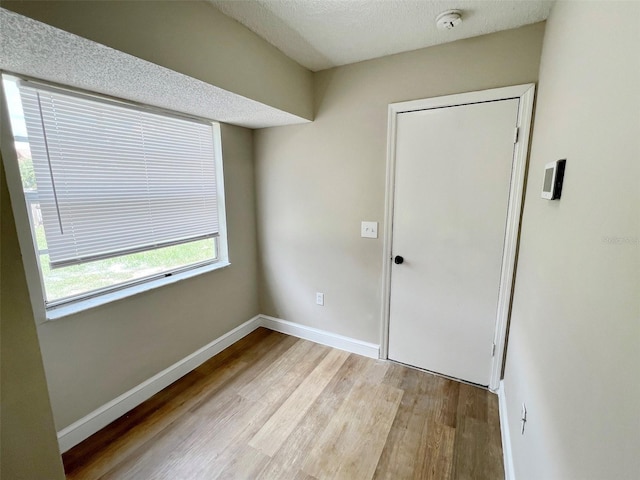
28 246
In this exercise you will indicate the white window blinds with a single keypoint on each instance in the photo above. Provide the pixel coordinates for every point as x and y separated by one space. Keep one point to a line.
115 179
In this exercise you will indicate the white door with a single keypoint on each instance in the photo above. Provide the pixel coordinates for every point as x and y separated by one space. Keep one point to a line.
452 180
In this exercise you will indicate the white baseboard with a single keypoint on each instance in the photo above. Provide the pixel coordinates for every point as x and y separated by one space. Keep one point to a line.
509 473
85 427
323 337
78 431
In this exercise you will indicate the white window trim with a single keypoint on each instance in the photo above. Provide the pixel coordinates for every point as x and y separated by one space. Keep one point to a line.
71 308
27 247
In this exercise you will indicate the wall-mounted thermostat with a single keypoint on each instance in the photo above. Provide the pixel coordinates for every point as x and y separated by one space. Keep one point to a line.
553 176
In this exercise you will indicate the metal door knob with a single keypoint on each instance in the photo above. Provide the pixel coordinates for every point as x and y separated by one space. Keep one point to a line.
398 260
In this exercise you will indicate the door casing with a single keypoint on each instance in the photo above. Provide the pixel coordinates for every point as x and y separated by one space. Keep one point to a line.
525 93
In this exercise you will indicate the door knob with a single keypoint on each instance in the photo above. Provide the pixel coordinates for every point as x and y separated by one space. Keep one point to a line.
398 260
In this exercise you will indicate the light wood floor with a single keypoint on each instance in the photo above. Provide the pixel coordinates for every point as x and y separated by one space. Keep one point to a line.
277 407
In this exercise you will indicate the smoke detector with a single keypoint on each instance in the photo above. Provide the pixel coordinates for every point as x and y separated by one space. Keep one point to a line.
449 19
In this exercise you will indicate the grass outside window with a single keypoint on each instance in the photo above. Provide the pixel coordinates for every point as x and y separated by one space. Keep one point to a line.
74 280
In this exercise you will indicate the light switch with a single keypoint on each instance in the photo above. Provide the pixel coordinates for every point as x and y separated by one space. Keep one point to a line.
369 230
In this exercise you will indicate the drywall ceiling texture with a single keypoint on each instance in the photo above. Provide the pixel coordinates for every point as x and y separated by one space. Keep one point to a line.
39 50
573 354
190 37
317 182
321 34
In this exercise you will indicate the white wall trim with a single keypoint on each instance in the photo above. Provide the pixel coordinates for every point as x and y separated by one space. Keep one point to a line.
509 473
78 431
21 213
323 337
512 232
525 94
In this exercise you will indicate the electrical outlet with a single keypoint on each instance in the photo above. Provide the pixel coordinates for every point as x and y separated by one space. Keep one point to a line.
523 418
320 298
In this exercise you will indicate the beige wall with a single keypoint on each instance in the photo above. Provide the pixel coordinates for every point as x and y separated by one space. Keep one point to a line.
574 347
317 182
190 37
92 357
28 444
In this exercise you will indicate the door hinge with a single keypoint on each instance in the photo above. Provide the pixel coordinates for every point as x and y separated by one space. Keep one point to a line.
516 135
493 349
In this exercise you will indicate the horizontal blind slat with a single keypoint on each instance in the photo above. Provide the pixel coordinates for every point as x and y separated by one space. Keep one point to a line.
114 180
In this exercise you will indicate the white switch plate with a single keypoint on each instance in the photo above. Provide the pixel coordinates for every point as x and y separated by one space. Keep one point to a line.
319 298
369 230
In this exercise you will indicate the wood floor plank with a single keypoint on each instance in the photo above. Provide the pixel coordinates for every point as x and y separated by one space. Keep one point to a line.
303 476
193 449
493 447
466 464
473 445
246 462
448 397
395 375
260 362
128 434
274 407
290 458
404 453
352 442
435 452
273 434
285 374
155 455
472 402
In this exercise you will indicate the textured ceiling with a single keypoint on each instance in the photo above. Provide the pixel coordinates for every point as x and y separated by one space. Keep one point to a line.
32 48
320 34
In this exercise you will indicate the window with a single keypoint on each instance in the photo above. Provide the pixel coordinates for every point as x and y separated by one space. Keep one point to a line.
117 194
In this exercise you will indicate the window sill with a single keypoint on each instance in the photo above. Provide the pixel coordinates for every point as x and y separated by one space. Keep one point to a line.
81 305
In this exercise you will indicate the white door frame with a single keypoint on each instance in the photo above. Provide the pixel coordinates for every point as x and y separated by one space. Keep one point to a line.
525 93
